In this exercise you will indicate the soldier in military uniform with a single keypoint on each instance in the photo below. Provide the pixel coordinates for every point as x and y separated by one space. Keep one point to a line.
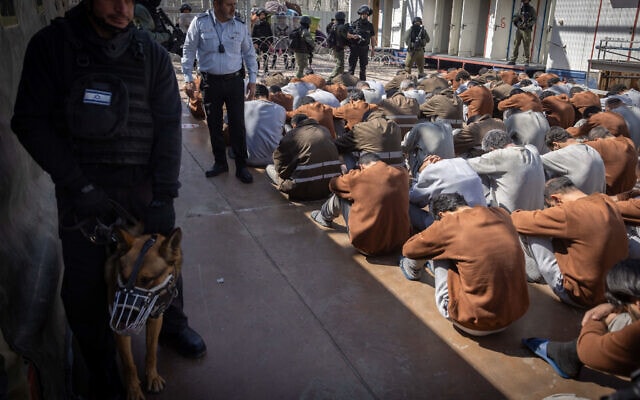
415 38
524 22
364 35
281 32
302 45
339 36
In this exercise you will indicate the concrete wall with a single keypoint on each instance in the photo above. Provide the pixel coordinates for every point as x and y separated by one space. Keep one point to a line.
578 26
31 316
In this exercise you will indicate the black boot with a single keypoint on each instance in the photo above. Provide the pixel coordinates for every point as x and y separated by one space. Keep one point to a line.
187 342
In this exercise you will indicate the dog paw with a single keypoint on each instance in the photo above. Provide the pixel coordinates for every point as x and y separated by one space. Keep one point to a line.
155 383
135 393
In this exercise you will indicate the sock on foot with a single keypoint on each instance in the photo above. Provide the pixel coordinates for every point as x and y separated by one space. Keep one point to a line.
565 355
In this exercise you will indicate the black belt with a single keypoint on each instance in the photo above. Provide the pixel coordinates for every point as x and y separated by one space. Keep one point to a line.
207 76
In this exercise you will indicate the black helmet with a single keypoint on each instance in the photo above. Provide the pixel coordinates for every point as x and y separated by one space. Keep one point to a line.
365 9
151 4
185 7
416 19
262 11
304 20
340 16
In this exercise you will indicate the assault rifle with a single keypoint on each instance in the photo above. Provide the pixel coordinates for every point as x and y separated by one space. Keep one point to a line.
176 41
355 30
417 43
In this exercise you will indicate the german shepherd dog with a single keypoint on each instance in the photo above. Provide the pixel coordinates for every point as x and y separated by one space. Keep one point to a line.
141 279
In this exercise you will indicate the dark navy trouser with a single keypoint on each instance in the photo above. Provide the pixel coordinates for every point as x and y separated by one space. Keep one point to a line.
219 91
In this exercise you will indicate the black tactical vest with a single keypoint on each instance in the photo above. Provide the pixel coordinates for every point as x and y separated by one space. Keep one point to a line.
364 29
298 44
107 113
341 35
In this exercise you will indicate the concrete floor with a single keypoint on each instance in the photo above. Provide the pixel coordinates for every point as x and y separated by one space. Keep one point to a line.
289 310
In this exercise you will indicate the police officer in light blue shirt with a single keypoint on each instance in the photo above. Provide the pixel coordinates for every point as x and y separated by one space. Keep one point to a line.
221 43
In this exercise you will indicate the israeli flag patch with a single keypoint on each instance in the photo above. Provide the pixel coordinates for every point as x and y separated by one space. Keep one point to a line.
98 97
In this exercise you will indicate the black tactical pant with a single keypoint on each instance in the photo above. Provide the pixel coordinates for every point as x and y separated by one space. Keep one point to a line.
263 52
84 291
360 53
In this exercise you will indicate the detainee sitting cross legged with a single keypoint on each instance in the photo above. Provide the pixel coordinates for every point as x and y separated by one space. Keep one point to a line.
477 262
374 202
572 244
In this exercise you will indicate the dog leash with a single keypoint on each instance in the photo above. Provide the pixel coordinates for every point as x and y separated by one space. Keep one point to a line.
99 232
136 267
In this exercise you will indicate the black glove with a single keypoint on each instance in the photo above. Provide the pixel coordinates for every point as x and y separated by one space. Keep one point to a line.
160 217
91 202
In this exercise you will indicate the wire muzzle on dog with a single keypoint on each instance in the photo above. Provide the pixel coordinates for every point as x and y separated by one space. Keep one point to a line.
132 305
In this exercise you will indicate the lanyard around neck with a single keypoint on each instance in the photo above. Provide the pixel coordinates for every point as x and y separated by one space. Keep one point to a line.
216 27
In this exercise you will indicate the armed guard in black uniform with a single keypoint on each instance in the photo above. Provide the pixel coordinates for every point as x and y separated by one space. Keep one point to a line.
364 34
103 120
262 36
281 32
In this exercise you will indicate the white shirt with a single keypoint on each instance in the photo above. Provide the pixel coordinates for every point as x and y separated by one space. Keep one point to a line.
417 94
377 86
324 97
528 127
579 162
634 95
513 177
263 121
372 96
298 90
447 176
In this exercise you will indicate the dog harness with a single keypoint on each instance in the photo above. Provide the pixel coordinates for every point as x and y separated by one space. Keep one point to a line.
133 305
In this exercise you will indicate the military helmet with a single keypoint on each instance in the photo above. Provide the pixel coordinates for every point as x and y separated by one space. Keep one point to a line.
340 16
365 9
304 20
150 3
416 19
185 7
